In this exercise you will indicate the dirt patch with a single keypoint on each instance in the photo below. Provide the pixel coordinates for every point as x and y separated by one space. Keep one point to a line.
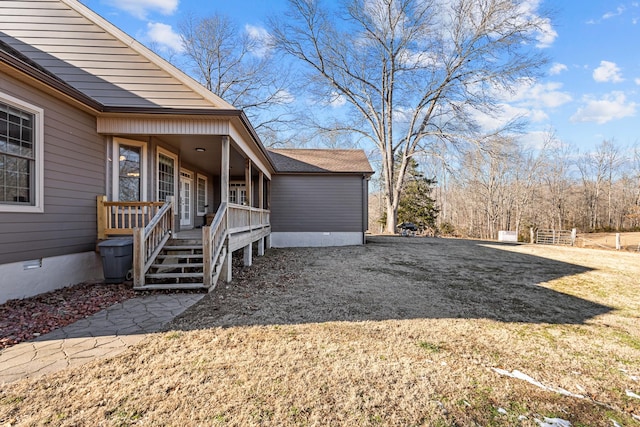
396 278
403 331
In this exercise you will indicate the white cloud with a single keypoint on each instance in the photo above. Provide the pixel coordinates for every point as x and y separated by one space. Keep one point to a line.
418 59
507 113
619 10
557 68
164 36
283 97
540 95
530 100
337 100
611 107
141 8
637 81
546 34
261 40
536 139
607 72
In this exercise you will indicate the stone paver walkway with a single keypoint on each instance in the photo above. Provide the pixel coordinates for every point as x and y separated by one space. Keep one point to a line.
104 334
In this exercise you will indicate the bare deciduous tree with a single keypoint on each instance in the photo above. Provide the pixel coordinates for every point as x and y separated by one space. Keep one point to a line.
412 71
240 69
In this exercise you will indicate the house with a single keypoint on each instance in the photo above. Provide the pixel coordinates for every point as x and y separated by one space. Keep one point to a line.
101 138
319 197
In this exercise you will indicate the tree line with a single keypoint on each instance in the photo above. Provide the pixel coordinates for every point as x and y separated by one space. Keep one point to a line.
508 185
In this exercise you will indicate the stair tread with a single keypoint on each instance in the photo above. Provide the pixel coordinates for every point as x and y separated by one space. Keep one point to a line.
160 286
179 265
173 275
181 247
181 256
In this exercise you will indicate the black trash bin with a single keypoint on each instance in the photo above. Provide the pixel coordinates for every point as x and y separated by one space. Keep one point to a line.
117 259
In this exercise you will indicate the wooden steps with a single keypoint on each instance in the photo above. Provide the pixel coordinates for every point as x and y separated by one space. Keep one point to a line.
179 265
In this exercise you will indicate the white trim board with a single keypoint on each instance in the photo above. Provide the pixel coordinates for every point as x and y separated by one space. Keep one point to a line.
315 239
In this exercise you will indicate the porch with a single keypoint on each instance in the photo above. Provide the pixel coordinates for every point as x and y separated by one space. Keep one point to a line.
190 191
166 258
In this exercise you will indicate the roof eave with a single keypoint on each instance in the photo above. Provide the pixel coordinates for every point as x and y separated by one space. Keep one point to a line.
328 172
48 80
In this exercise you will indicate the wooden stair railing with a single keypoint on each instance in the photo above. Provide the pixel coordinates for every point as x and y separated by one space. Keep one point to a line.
148 241
213 240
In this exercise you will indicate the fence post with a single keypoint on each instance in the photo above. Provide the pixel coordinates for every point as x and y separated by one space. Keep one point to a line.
531 235
618 243
574 233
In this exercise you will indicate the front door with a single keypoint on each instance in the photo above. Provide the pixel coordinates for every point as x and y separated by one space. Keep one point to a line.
186 199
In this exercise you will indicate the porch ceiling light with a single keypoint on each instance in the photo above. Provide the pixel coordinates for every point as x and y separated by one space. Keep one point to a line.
200 149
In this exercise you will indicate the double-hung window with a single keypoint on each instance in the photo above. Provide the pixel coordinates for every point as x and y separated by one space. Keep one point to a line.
21 156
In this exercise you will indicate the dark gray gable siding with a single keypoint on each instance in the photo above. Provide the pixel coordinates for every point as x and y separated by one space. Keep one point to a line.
74 175
316 203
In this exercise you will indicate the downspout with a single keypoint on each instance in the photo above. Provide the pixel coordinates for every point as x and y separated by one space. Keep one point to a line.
365 208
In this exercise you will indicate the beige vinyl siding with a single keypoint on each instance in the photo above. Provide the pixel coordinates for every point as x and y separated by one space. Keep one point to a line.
74 175
91 59
317 203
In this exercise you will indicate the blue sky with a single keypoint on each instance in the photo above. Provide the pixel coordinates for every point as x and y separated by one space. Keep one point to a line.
591 91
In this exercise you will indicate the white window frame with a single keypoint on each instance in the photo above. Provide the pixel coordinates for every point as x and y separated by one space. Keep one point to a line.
115 192
200 177
38 133
176 174
240 189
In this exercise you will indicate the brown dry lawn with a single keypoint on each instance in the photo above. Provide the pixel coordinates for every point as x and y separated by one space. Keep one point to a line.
628 241
402 332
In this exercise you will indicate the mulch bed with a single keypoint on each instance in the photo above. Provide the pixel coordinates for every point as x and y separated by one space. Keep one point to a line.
25 319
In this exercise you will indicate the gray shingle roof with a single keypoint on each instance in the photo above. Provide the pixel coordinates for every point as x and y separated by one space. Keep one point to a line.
299 160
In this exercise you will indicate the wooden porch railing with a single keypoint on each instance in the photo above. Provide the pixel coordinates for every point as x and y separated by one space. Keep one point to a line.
148 241
120 218
213 238
246 218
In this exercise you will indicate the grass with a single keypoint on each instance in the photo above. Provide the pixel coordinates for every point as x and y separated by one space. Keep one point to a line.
430 347
413 371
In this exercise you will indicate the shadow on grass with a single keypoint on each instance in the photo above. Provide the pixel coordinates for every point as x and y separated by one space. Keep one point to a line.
394 278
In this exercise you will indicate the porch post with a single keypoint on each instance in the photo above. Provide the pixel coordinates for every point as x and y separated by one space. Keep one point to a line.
226 272
261 190
247 182
261 246
224 170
